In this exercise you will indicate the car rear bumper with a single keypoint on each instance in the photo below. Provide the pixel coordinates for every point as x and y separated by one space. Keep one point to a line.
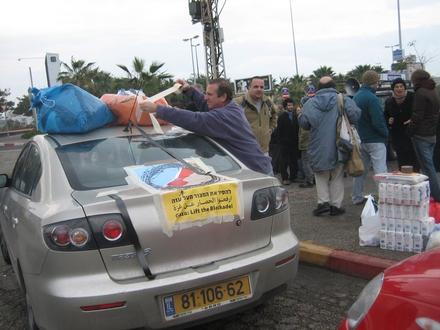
57 301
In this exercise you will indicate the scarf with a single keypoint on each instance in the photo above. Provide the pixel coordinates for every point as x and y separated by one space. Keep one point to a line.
399 99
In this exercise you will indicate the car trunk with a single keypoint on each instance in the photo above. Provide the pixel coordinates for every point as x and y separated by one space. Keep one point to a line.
191 247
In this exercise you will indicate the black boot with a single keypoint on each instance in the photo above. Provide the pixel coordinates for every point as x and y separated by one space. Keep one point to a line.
321 209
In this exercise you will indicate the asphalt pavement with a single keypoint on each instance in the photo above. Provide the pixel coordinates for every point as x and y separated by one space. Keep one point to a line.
326 241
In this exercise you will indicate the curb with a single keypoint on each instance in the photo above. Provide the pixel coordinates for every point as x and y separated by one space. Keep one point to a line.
350 263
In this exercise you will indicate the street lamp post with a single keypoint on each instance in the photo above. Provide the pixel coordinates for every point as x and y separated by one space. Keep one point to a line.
197 60
293 37
392 49
398 20
192 56
34 111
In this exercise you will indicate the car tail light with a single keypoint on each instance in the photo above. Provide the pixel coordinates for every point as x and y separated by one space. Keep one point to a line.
71 235
112 230
269 201
60 235
109 230
99 231
79 237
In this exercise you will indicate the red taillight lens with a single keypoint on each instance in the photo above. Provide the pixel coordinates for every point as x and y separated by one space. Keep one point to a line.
112 230
60 235
103 306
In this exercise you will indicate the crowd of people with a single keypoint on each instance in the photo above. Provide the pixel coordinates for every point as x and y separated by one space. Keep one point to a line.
301 137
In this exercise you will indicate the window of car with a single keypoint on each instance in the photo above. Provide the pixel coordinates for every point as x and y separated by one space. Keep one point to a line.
100 163
27 171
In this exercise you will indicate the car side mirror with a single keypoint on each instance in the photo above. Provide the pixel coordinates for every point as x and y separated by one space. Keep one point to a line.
4 180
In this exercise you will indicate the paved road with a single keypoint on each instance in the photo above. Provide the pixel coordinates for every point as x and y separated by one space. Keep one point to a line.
317 300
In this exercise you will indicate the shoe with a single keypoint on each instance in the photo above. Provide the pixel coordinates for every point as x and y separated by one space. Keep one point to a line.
321 209
336 210
286 182
306 185
361 202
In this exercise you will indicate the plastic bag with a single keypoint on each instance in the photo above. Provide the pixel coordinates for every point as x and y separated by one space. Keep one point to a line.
69 109
370 224
124 108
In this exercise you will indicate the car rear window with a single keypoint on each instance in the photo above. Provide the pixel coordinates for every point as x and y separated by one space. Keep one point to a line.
100 163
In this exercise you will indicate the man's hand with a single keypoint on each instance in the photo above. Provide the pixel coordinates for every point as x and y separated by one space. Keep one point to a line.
147 106
184 83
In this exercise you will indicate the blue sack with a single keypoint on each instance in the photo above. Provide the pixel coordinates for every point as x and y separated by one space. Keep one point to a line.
69 109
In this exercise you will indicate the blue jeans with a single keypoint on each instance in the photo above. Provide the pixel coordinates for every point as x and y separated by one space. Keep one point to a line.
374 154
424 151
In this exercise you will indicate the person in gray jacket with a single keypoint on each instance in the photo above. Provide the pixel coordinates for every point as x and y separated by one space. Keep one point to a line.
320 115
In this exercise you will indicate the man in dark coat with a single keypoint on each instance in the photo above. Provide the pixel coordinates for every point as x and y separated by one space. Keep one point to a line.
423 126
287 128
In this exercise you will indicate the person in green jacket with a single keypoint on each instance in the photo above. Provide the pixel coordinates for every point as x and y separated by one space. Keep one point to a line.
372 130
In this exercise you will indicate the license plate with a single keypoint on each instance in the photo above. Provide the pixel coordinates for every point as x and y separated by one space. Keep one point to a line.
207 297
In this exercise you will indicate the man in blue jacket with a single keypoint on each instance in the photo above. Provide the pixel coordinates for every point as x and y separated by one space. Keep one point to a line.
219 118
372 130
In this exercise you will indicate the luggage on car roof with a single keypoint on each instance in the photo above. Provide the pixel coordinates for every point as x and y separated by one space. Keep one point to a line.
69 109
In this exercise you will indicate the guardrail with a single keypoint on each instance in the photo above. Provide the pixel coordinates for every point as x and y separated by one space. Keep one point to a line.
16 131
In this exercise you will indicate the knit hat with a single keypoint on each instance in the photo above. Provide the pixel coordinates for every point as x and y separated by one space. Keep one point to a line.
310 90
370 78
398 81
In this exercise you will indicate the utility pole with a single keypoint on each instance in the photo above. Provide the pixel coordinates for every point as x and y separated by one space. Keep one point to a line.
398 20
206 12
293 37
34 111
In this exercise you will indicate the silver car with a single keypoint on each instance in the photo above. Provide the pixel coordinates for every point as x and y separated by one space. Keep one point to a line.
89 247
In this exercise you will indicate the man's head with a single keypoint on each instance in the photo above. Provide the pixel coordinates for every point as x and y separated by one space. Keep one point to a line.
326 82
418 76
288 104
370 78
218 93
256 88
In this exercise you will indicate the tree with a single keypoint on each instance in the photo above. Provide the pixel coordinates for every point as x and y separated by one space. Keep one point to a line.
78 73
23 106
359 70
151 80
321 72
5 105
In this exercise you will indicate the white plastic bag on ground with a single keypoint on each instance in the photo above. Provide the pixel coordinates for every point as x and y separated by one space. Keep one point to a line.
369 229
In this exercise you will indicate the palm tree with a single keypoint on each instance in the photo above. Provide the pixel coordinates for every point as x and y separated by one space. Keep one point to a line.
78 73
359 70
321 72
151 80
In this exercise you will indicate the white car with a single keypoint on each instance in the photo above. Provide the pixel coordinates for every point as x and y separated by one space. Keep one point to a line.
91 249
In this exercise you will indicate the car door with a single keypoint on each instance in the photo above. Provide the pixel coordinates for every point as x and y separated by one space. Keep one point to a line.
8 227
23 225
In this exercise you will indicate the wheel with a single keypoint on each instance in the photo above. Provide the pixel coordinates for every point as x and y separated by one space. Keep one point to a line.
30 325
4 248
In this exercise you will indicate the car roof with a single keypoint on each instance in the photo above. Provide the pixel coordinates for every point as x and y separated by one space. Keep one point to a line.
108 132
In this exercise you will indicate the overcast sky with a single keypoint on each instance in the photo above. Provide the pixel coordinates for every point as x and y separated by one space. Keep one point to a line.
258 35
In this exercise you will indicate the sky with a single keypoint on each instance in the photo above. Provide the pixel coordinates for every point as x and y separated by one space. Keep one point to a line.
258 35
